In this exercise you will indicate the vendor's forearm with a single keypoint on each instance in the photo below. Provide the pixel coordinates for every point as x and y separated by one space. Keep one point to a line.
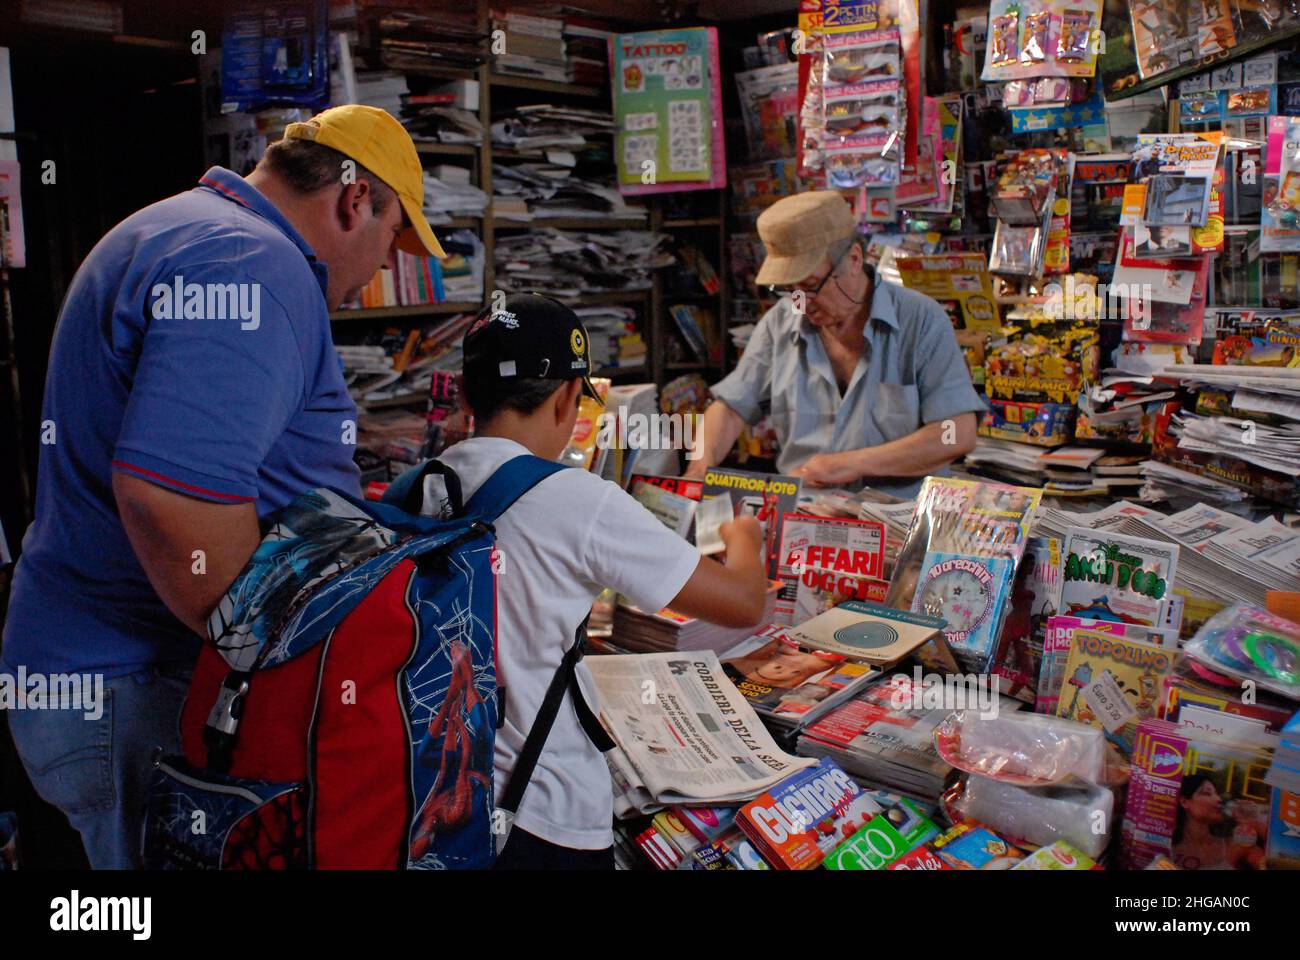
717 432
933 446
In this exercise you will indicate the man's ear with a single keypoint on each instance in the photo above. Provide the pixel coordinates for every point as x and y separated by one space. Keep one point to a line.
353 200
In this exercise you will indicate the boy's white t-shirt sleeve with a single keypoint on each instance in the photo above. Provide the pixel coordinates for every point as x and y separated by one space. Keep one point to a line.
629 550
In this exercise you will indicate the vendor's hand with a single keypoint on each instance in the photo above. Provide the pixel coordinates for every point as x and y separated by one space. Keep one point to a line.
828 470
743 535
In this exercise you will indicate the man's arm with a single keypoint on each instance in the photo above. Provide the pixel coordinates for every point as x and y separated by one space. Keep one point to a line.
933 446
719 428
165 530
733 594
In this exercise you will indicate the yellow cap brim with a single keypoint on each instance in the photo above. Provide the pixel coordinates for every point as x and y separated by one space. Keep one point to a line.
418 239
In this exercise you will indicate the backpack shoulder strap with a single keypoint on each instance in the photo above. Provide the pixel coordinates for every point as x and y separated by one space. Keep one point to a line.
511 481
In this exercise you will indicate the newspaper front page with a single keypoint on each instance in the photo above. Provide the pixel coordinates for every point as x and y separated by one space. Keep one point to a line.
684 733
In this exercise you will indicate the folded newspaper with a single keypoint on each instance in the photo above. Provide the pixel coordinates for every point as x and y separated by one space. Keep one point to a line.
683 733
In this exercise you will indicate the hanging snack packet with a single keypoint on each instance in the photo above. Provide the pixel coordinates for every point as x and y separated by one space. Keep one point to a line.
1037 26
1076 27
1018 93
1003 39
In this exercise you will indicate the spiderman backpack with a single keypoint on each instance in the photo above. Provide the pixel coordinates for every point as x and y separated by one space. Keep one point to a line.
344 715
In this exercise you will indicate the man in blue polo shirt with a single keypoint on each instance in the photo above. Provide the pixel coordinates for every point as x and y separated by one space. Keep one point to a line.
193 388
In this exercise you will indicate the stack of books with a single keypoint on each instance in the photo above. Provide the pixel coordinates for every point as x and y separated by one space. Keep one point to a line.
534 47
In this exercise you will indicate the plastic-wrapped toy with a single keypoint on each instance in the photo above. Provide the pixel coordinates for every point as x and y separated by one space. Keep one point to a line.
1251 644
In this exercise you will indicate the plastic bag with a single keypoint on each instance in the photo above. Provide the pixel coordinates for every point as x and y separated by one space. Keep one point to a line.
1251 644
1078 812
1030 749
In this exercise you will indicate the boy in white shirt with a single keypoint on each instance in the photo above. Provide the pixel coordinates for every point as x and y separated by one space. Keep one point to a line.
561 543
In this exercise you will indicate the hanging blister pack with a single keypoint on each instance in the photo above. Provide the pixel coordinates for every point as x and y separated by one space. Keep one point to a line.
1076 28
862 107
1037 27
1004 39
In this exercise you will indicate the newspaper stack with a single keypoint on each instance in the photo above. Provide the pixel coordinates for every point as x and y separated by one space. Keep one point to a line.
1224 557
526 191
683 734
452 195
568 264
1163 482
546 129
1018 462
897 518
639 632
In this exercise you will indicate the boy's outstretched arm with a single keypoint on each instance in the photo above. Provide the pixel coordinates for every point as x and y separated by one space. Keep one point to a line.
731 594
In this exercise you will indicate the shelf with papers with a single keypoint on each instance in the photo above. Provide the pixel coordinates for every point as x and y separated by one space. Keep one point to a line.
405 400
421 309
600 297
545 86
571 223
472 223
448 149
610 373
697 222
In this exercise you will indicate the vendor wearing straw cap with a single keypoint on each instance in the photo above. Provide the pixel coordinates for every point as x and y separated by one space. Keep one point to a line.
863 381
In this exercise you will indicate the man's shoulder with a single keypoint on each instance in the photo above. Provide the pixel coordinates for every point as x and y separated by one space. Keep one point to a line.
914 308
201 228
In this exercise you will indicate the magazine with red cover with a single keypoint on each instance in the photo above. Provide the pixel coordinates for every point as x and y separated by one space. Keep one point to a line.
806 816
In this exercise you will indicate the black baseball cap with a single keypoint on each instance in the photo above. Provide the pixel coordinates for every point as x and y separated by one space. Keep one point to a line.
530 335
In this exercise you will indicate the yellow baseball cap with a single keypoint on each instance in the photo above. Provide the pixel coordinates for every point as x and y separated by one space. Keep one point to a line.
377 141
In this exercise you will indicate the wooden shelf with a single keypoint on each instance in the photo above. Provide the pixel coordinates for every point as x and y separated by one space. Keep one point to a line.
544 86
424 309
472 222
610 373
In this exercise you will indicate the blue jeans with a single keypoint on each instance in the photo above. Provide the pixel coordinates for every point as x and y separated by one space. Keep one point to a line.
98 771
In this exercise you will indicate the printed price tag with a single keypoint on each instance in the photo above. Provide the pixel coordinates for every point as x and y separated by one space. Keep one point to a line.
1108 702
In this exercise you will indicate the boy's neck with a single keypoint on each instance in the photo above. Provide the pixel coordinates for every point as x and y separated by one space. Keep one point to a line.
509 425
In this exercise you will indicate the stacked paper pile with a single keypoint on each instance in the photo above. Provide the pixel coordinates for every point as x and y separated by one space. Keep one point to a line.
1223 557
545 129
1004 459
526 191
1164 482
567 264
448 193
534 47
637 631
612 333
416 41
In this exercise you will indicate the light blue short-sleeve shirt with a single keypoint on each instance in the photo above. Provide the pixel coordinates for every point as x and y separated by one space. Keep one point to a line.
911 373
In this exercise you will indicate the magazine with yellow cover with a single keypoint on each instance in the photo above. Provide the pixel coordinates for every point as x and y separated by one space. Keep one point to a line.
1113 682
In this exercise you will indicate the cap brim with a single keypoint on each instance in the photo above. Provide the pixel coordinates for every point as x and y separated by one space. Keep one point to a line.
418 239
782 271
589 389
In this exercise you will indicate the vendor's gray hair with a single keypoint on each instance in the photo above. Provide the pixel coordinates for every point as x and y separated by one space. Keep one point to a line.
838 250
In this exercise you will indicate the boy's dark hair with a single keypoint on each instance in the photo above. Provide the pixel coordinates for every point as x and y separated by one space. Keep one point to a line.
308 167
486 398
